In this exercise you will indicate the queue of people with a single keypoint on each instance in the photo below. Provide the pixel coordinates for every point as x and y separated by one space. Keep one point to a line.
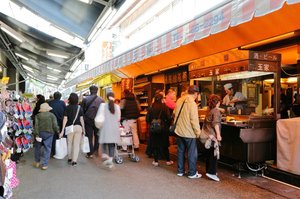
107 134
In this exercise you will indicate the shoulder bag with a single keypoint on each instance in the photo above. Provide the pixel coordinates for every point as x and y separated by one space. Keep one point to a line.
173 126
156 126
70 129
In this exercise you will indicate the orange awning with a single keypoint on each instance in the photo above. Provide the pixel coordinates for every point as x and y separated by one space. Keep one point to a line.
235 24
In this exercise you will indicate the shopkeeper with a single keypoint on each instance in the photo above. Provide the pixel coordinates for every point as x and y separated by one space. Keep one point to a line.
231 96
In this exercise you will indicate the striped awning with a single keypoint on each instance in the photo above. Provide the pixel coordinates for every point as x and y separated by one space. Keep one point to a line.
230 14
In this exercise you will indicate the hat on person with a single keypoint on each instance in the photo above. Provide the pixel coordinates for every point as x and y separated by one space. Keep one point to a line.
45 107
228 86
192 89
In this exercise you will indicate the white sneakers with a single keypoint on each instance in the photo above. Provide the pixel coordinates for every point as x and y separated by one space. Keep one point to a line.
197 175
213 177
155 164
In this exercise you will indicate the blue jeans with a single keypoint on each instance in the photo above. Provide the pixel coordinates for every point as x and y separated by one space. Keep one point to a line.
189 145
109 149
47 142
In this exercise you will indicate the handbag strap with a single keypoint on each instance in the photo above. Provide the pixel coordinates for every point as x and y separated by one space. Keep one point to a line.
76 115
179 112
89 104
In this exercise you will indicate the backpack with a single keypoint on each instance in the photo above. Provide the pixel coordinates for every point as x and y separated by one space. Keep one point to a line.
156 126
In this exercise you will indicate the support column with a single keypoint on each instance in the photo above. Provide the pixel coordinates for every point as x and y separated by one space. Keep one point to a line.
4 70
17 81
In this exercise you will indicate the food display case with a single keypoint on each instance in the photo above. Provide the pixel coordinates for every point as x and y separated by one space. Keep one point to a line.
249 126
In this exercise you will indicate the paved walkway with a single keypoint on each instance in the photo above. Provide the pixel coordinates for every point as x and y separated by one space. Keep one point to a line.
130 180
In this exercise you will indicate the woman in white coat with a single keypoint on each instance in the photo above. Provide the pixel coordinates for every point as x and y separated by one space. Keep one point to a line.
108 121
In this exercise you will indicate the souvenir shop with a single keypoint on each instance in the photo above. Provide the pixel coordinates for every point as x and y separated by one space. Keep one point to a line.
15 138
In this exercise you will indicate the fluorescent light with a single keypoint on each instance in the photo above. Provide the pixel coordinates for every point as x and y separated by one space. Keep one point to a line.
85 1
100 24
270 40
56 70
68 75
28 68
243 75
22 56
12 34
51 77
54 54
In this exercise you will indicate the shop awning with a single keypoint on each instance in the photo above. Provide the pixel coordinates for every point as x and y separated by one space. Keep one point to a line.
100 81
234 24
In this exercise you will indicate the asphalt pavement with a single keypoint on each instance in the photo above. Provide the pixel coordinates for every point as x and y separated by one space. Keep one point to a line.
135 180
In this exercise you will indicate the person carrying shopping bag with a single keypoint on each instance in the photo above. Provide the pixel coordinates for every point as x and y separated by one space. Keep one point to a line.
45 127
73 123
109 132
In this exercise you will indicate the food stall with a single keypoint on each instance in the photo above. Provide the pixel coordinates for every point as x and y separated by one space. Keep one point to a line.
248 126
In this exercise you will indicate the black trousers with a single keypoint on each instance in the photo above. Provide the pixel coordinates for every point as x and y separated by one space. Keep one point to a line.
91 131
211 161
55 137
161 151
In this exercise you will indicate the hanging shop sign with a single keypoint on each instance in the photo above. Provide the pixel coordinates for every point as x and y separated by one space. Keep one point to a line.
255 61
126 83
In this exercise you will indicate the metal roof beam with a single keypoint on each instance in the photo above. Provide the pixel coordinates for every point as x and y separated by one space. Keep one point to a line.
102 2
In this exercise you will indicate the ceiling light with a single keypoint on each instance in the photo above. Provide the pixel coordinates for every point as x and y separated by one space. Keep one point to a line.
56 70
51 77
22 56
11 34
28 68
86 1
270 40
68 75
55 54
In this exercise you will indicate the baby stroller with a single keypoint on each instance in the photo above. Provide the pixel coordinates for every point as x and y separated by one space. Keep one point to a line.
126 139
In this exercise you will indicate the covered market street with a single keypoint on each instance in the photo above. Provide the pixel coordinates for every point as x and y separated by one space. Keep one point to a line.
89 180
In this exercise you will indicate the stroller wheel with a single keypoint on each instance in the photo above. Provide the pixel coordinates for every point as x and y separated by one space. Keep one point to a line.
119 160
135 159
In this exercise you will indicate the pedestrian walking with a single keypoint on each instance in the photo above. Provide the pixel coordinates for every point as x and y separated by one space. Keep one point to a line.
58 108
109 133
73 115
90 105
44 129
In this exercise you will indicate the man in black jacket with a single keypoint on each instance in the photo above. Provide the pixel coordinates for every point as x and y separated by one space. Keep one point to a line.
90 105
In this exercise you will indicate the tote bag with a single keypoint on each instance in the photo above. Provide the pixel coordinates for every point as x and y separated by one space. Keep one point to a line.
100 117
85 146
61 149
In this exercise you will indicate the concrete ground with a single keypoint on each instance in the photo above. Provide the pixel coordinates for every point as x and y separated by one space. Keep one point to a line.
130 180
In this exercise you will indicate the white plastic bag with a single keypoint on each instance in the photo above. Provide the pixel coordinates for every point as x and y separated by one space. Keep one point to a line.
61 149
99 119
85 146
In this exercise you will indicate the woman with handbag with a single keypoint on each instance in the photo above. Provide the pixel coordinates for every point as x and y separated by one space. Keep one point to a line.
159 118
73 123
108 121
211 136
